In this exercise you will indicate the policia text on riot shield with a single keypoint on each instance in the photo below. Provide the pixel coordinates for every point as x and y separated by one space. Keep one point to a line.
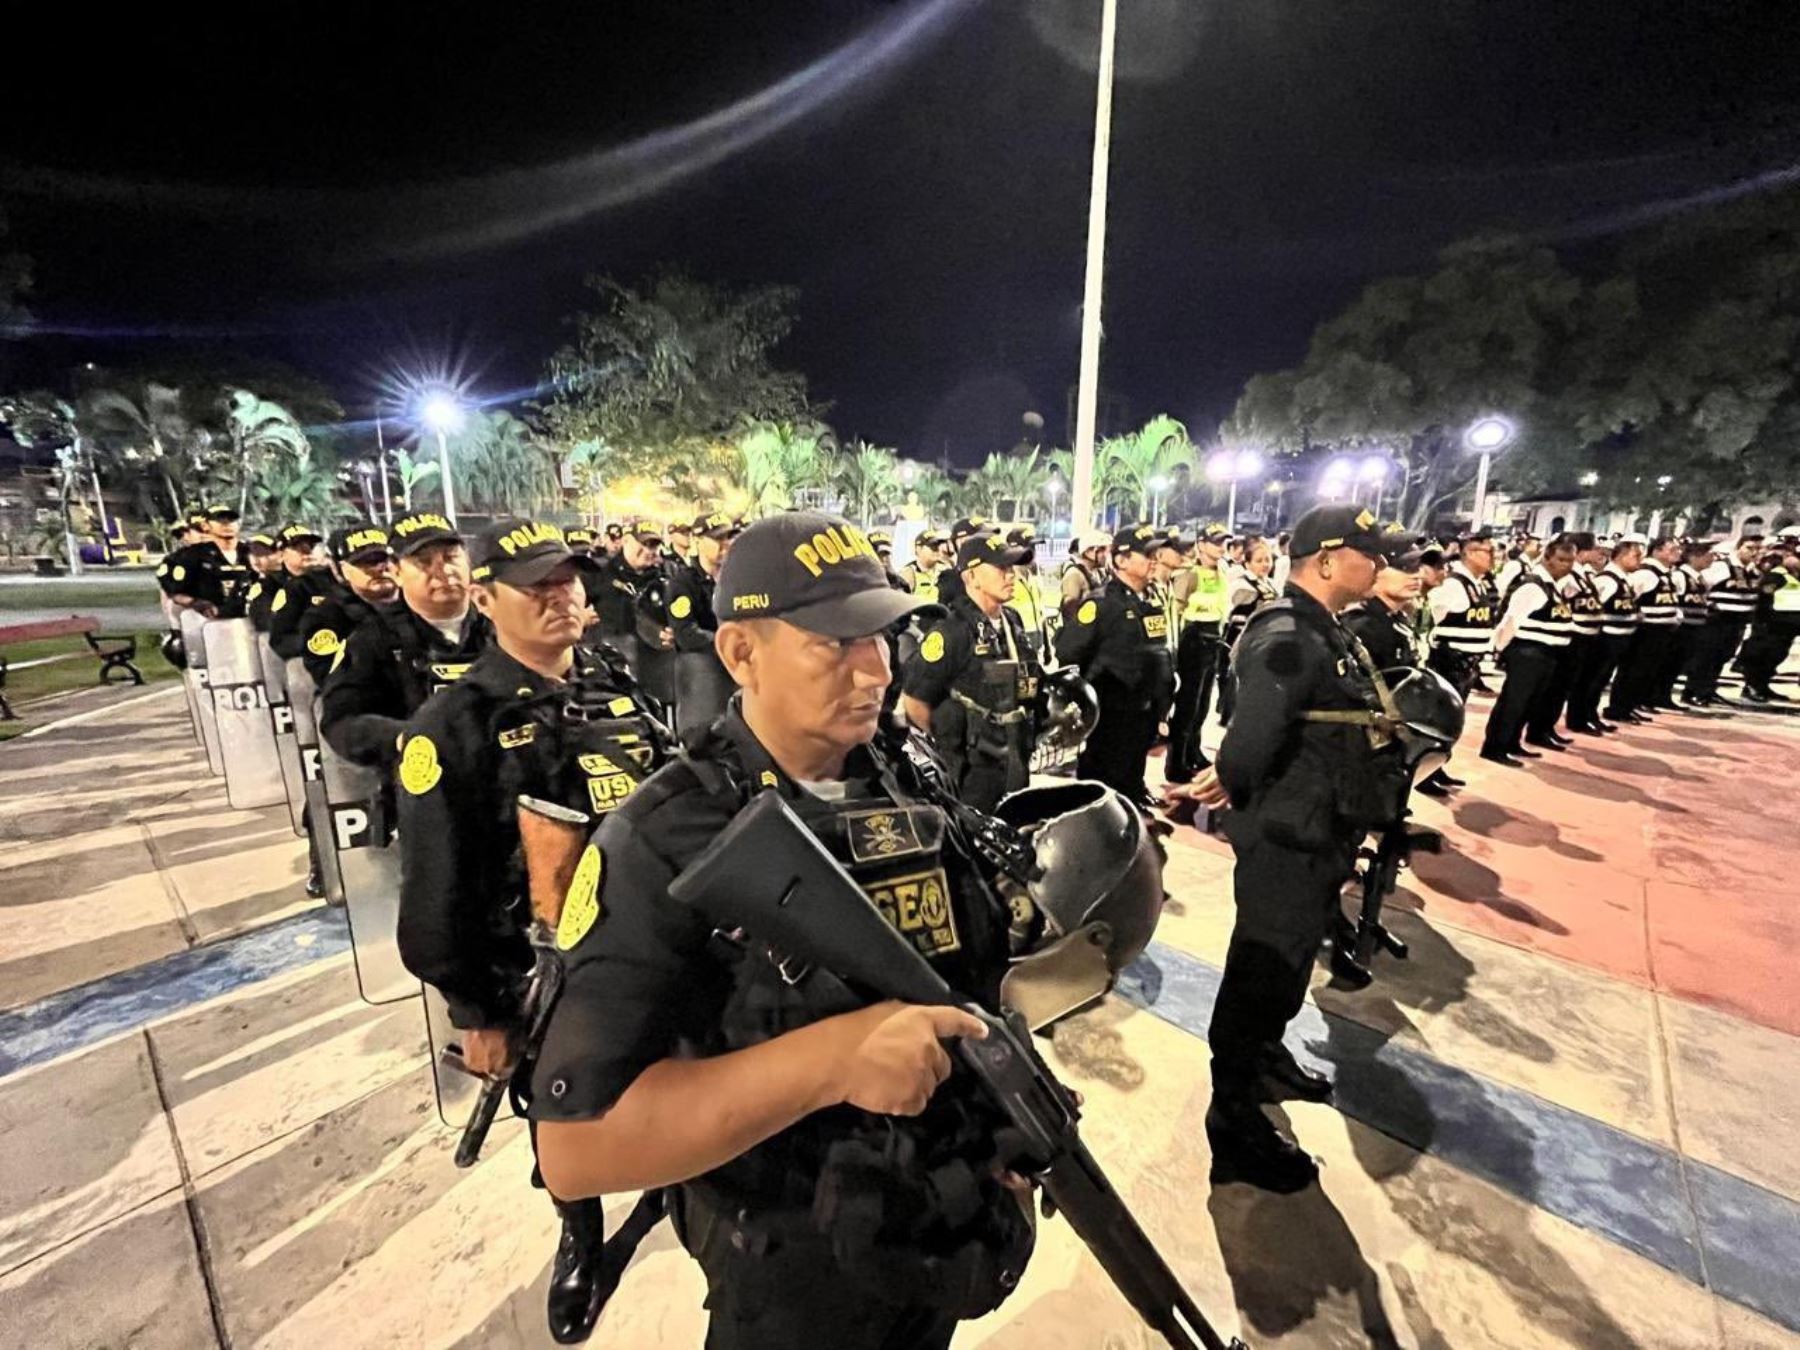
801 901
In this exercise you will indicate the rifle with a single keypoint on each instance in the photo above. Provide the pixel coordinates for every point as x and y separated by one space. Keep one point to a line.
798 897
534 1017
1381 871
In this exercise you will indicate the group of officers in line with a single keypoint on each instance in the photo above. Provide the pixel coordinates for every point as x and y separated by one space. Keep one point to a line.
638 685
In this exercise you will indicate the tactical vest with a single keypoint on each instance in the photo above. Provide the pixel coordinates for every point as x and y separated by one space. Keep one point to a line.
1732 600
1693 598
423 671
1661 608
1619 611
1589 613
1472 631
986 723
1266 594
1207 603
1552 622
1091 586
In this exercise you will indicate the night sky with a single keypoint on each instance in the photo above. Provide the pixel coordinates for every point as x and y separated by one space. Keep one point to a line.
340 186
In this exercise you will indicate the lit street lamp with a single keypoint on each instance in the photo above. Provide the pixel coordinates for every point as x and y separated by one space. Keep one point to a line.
1233 467
1157 485
1486 436
440 410
1053 489
1339 478
1372 471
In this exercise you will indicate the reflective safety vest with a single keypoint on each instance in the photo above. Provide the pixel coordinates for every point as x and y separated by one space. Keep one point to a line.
1618 602
1208 603
924 584
1472 631
1552 622
1661 607
1034 597
1732 599
1590 614
1787 599
1693 597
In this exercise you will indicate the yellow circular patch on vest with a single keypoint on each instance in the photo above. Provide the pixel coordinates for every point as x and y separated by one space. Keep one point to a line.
1087 612
280 602
180 573
681 607
323 643
932 648
419 767
581 907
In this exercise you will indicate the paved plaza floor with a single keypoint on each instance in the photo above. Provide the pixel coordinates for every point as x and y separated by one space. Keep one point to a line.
1571 1119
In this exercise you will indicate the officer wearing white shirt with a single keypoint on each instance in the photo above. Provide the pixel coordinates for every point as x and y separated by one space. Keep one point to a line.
1650 667
1532 637
1732 592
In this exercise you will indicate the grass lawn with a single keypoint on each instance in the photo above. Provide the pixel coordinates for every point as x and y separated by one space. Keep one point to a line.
78 672
79 597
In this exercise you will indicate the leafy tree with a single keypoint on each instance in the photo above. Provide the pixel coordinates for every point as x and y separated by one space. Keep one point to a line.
1128 463
673 370
1011 478
308 489
868 478
263 434
144 439
780 459
414 471
500 466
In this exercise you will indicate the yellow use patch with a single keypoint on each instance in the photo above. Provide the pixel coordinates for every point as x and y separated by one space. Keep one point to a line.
681 607
932 648
1087 612
581 907
323 643
280 603
419 767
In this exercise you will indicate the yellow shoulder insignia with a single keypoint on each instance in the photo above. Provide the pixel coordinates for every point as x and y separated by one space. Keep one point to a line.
255 592
932 648
525 735
680 607
767 778
581 907
323 643
419 767
621 707
337 659
1087 612
280 603
318 599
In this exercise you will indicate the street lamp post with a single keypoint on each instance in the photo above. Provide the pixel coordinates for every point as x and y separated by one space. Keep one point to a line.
1081 503
1373 471
1157 485
1053 489
1233 467
1486 436
441 412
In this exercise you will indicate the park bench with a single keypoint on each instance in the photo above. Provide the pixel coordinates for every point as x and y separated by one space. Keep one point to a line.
114 650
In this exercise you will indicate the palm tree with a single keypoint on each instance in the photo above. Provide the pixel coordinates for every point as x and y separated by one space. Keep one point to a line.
1010 478
780 459
413 473
262 432
868 476
1127 463
146 432
288 488
500 466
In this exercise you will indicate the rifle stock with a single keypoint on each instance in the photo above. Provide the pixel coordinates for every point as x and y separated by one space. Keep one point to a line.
795 896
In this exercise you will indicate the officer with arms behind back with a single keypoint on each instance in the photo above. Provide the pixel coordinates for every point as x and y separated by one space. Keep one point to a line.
840 1126
973 680
1306 789
535 716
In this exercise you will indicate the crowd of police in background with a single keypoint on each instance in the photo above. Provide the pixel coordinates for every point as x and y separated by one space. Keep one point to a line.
1024 661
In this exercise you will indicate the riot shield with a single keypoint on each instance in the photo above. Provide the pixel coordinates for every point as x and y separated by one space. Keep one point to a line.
456 1089
702 689
312 771
287 744
362 832
241 714
193 641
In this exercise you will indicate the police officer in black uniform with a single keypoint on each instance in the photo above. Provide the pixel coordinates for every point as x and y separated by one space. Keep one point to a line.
537 716
207 574
1383 623
262 551
361 581
840 1201
1120 643
632 574
701 684
883 540
972 681
407 651
1304 792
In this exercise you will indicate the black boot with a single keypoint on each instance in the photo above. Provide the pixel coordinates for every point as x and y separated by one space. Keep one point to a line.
1247 1147
1291 1078
315 877
581 1280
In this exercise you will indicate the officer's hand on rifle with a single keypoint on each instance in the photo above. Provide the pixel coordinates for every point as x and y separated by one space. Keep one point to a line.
1206 789
487 1051
892 1059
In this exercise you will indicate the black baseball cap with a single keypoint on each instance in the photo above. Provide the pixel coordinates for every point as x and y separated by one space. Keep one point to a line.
816 571
262 539
883 541
414 532
645 531
580 536
520 552
931 539
295 535
966 526
1216 533
1145 539
615 531
682 527
714 525
223 514
1336 526
364 541
989 547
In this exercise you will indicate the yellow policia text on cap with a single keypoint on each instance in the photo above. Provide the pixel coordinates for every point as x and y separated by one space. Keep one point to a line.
831 547
424 520
528 534
362 539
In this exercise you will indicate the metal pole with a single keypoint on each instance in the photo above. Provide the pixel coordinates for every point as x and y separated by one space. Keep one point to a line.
444 472
1231 509
387 494
1481 476
1081 491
